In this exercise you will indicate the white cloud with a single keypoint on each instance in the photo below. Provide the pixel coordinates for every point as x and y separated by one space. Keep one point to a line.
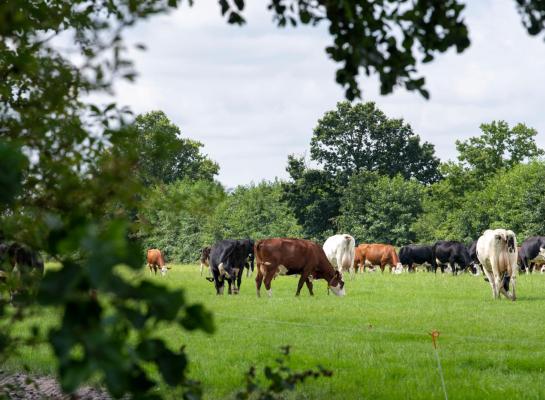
253 94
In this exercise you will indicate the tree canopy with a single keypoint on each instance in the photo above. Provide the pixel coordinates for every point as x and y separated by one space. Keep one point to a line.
164 156
360 137
499 146
390 38
379 209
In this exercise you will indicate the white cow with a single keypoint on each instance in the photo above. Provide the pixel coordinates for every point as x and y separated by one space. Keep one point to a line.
497 253
339 250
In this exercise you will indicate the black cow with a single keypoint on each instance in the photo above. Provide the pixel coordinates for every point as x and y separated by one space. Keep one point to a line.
227 261
475 263
452 253
531 250
415 254
25 264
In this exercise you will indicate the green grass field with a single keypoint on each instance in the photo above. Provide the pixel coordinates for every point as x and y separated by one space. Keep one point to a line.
375 339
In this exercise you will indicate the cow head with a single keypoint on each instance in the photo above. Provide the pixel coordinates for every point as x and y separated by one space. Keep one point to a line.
336 284
398 269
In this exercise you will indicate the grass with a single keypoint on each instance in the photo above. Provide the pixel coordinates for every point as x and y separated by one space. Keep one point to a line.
376 339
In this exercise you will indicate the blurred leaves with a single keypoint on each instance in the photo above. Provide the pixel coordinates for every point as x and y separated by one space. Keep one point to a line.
278 379
71 178
12 165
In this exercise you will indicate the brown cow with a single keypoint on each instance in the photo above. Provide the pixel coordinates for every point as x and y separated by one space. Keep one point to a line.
280 256
379 254
359 265
156 261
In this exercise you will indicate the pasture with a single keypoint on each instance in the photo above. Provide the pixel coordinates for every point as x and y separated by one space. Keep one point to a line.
375 339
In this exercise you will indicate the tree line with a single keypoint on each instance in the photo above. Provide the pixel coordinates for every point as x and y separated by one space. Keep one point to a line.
374 178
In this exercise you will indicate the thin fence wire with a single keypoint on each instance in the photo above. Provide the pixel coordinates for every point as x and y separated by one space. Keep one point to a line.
369 328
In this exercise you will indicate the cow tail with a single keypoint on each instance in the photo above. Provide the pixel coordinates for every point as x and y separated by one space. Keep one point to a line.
257 249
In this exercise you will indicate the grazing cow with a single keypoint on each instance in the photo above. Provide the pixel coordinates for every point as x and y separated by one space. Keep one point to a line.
205 258
340 251
497 253
227 261
156 262
475 265
295 256
23 263
451 253
416 254
358 260
532 251
381 255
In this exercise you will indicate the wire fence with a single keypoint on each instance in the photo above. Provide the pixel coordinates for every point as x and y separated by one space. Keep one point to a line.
373 329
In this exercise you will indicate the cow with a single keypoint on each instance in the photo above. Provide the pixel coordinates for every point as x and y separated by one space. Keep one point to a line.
156 261
228 258
381 255
416 254
451 253
25 265
205 258
532 251
280 256
340 251
497 253
358 260
475 265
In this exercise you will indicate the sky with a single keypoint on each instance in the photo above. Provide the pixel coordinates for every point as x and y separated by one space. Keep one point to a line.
253 94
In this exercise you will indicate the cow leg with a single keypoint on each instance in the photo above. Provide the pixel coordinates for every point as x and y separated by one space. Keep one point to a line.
452 265
229 282
302 279
513 287
309 286
352 273
268 279
497 278
505 280
220 285
259 280
491 281
238 280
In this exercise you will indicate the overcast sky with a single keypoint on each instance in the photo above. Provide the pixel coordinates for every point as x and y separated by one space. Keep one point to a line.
253 94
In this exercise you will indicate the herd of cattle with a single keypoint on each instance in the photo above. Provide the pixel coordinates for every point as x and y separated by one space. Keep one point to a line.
495 254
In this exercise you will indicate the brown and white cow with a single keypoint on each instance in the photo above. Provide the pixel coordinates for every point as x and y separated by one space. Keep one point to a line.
378 254
281 256
156 262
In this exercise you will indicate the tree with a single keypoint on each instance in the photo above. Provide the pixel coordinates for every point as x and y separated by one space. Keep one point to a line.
255 212
166 157
498 147
313 197
387 37
380 209
510 199
69 189
359 137
173 217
